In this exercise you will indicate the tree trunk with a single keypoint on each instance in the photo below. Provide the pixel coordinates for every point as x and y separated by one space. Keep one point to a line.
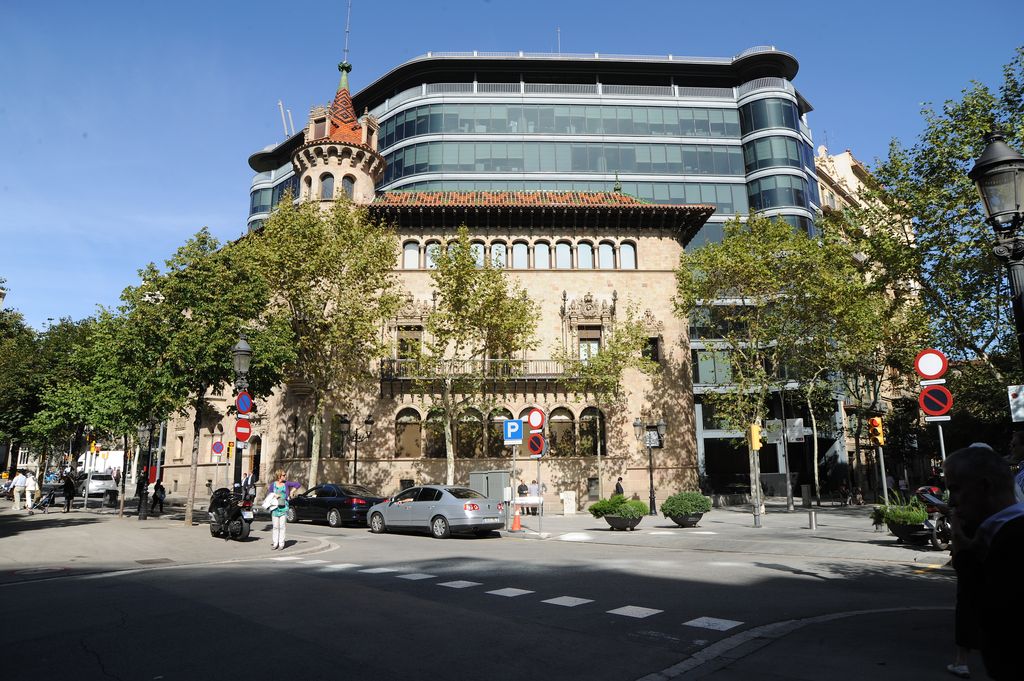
124 474
316 430
814 434
193 471
449 446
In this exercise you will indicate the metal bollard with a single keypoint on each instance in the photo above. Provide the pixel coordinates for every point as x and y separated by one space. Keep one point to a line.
812 520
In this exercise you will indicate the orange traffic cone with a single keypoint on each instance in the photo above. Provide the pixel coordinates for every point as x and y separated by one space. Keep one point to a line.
516 526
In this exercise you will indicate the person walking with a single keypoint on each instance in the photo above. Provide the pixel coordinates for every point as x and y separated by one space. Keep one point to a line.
984 505
31 489
522 490
18 486
534 492
618 488
159 494
69 491
248 486
282 489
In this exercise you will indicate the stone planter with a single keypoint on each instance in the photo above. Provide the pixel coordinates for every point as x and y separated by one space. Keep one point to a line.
688 520
620 523
914 533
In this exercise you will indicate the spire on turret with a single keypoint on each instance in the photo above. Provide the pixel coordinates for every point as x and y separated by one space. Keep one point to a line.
344 125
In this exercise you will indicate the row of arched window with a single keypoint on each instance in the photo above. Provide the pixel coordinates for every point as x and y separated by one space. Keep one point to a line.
325 186
538 255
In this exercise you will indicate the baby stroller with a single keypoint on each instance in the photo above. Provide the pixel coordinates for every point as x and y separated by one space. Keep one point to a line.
44 502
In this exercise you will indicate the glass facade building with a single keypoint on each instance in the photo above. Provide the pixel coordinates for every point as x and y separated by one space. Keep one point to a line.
729 131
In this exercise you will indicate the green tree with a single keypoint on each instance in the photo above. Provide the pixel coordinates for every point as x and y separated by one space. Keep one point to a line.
333 283
480 322
18 401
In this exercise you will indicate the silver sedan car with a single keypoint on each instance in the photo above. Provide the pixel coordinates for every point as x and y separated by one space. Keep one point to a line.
442 509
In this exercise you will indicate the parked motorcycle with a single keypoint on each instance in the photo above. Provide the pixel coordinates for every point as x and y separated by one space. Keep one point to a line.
937 524
230 514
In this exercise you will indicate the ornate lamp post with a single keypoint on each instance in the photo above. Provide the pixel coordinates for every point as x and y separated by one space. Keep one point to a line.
143 483
241 359
999 176
644 430
348 434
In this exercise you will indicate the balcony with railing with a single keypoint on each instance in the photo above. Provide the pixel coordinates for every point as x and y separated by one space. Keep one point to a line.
401 376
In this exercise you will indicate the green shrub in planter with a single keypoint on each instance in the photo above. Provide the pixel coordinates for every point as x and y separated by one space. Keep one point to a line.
912 513
685 503
600 509
632 508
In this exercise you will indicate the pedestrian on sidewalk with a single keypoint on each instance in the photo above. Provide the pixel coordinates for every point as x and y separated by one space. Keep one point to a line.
618 488
534 492
18 485
282 489
31 490
982 499
522 490
248 486
159 494
69 491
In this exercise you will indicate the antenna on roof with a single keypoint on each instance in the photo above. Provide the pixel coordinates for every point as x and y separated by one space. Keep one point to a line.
291 123
558 32
348 24
283 124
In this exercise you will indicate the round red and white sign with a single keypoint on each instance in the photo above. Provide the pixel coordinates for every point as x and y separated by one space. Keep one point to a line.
243 429
930 364
536 419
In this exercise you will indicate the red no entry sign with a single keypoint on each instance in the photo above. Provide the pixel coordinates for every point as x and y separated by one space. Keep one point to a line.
935 400
243 429
535 443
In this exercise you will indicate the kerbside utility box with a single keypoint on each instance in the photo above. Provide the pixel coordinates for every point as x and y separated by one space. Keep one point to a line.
494 485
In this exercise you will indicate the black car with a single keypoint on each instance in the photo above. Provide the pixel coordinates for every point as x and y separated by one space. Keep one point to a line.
339 505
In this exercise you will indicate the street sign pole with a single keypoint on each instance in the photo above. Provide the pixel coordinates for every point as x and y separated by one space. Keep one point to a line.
942 442
881 464
785 457
540 516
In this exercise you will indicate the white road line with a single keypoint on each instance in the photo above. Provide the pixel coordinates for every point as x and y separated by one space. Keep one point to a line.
315 561
338 566
700 532
287 558
510 592
712 623
568 601
378 571
634 611
575 536
459 584
416 576
660 532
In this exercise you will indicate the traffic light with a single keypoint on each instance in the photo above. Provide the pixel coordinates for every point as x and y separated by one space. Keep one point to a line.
754 436
876 431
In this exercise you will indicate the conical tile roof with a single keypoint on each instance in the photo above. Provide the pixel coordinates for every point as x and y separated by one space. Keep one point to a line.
344 125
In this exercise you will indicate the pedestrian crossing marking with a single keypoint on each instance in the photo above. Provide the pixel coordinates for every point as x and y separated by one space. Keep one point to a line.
313 562
378 571
459 584
634 611
713 623
339 566
287 558
416 576
568 601
510 592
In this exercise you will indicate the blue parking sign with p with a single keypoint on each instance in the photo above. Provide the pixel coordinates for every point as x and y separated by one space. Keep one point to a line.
513 432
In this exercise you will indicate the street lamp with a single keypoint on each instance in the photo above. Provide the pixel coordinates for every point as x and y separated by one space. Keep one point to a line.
999 175
142 485
241 358
345 424
641 429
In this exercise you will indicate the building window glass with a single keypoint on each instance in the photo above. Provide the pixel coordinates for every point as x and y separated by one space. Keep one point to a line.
407 434
769 113
476 249
592 432
348 184
563 255
627 256
320 129
776 191
520 255
434 432
499 254
585 256
562 433
411 256
327 186
433 250
652 349
337 437
606 256
769 152
541 255
589 341
410 338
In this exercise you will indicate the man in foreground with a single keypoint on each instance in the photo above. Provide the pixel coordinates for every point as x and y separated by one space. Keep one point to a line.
981 496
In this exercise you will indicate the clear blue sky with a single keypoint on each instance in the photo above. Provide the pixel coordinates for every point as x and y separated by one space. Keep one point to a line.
125 126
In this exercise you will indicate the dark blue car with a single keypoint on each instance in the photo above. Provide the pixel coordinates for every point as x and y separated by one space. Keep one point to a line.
338 504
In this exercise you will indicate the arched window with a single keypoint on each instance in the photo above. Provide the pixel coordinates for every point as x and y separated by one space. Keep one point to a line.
520 255
469 435
563 255
562 432
407 434
348 185
592 432
433 250
496 433
585 256
477 250
499 254
434 448
606 256
327 186
308 184
541 256
411 255
337 437
627 256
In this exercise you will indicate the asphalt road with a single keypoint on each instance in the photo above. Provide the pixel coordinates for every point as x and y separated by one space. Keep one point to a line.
348 604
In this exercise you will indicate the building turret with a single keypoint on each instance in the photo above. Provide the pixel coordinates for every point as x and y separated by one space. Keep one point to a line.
339 156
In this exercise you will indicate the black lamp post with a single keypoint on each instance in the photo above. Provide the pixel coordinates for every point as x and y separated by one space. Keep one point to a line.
143 483
348 434
641 429
241 359
999 176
